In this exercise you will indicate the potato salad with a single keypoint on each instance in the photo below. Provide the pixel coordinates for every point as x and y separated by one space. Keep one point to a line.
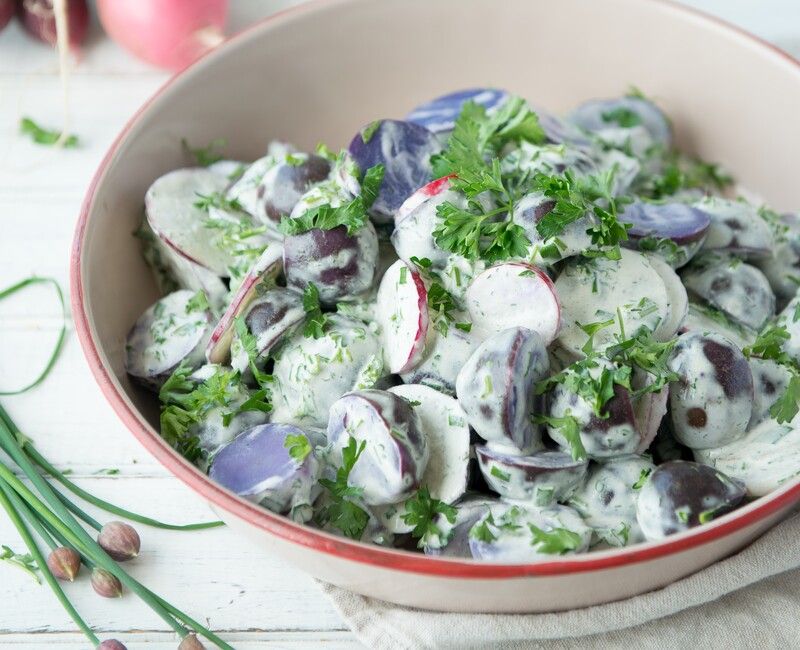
481 331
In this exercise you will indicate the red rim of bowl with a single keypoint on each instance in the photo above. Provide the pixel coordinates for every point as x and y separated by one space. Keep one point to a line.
343 548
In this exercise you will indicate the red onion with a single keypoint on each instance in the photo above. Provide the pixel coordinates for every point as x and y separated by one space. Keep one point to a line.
167 33
39 20
64 563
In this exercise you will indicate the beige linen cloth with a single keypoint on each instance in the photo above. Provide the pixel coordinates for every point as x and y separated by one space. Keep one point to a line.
750 600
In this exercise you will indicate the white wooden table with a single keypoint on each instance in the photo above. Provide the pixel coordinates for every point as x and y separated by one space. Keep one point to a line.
254 601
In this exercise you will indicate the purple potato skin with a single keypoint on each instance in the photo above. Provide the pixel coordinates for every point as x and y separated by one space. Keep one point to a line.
258 455
439 115
282 186
264 314
515 359
681 223
407 169
553 469
594 430
315 257
38 19
375 417
689 488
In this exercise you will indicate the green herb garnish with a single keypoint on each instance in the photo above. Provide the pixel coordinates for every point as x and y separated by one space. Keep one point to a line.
342 513
421 510
44 136
316 320
298 446
555 541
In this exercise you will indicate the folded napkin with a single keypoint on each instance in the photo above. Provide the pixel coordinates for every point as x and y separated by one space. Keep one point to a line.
749 600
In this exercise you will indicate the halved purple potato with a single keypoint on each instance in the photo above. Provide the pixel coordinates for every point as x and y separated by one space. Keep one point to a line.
602 437
678 223
680 495
217 428
732 286
259 279
439 115
595 289
271 317
444 355
513 533
169 332
340 265
257 465
405 150
598 115
558 131
402 313
625 169
712 401
736 227
770 380
704 318
548 159
444 424
286 182
542 478
173 216
573 240
245 189
396 451
311 374
232 170
764 459
514 294
782 268
607 499
495 387
454 538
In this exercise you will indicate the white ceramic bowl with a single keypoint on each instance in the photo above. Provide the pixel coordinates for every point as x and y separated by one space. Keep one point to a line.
322 70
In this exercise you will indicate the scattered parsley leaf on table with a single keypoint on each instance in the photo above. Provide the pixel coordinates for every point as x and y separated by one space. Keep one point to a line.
44 136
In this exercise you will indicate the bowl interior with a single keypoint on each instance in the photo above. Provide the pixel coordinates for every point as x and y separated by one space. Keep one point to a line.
320 72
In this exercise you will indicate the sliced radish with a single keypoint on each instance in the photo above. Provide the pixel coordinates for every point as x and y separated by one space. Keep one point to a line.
678 300
421 195
402 312
602 289
444 356
259 278
171 331
444 424
269 318
514 294
173 216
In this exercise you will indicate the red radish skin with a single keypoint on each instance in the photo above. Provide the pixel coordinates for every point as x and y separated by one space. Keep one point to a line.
417 198
263 273
39 19
402 354
169 34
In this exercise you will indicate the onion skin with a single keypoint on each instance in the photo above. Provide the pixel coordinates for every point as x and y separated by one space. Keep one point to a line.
64 563
7 9
39 20
170 34
112 644
191 642
119 540
106 584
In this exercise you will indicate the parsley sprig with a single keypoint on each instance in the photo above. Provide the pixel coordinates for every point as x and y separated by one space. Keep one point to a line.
186 402
353 214
47 137
555 541
470 159
316 320
577 197
421 512
298 446
769 345
342 513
